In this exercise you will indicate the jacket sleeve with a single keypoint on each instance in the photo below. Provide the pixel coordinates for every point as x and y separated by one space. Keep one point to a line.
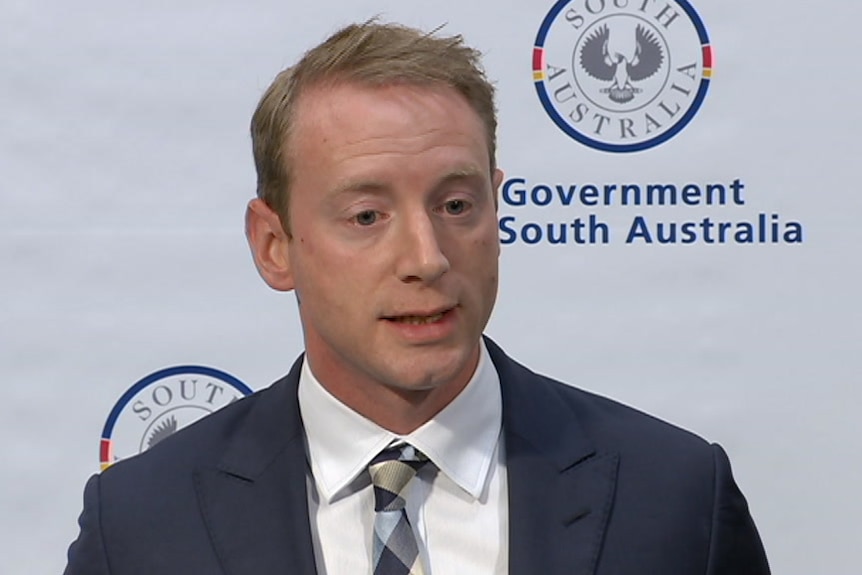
735 547
87 554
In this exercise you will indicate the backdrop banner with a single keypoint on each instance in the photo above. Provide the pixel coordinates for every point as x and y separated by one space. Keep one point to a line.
679 220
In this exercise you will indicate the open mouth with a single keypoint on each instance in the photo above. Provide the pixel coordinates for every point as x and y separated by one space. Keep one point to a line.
418 319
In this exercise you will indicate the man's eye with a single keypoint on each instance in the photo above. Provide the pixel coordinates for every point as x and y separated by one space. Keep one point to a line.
366 217
456 207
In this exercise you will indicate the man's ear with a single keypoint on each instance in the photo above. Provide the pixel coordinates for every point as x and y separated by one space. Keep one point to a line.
496 180
268 242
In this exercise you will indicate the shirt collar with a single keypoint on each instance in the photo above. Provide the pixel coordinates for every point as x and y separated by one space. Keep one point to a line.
461 440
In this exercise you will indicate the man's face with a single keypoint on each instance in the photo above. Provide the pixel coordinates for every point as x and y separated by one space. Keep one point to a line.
394 246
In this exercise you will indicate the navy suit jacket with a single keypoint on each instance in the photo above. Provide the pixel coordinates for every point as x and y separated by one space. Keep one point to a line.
595 488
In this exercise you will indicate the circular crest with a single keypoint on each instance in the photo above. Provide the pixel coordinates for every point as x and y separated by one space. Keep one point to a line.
162 403
622 75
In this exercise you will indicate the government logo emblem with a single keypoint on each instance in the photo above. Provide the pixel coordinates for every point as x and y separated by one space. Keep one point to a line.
162 403
622 75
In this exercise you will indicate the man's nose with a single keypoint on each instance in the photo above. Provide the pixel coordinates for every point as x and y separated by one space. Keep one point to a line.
421 257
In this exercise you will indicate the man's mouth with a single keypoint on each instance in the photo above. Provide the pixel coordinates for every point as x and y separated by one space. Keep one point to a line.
418 319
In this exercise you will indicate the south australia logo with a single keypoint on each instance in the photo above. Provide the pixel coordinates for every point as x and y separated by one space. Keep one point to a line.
622 75
161 404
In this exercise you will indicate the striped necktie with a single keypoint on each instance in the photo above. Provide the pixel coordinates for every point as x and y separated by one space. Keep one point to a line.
395 551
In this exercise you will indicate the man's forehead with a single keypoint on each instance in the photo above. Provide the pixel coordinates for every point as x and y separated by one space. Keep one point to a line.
331 99
400 117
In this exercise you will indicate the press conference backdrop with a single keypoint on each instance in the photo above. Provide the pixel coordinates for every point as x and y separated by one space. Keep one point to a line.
725 300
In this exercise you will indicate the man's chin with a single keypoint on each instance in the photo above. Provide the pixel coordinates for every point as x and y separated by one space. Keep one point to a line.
434 370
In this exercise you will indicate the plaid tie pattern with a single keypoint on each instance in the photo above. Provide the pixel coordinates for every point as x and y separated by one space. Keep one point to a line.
395 551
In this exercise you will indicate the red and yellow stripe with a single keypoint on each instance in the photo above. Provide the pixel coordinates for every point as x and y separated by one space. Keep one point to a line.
538 64
106 453
708 58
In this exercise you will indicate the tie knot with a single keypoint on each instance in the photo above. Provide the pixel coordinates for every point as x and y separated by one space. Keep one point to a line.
391 472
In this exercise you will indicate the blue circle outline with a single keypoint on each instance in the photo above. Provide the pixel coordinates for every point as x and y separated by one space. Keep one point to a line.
692 110
162 374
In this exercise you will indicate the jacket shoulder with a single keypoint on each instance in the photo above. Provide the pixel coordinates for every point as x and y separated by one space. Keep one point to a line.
608 424
165 472
197 444
604 417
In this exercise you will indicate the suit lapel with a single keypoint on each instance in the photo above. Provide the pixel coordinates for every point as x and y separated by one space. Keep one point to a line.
255 503
560 489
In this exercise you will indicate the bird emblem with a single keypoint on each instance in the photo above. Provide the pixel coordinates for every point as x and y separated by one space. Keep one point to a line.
162 431
623 58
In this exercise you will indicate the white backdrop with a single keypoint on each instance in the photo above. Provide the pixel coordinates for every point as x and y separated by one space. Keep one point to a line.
125 167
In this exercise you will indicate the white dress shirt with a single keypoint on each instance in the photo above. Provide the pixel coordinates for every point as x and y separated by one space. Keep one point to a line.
458 507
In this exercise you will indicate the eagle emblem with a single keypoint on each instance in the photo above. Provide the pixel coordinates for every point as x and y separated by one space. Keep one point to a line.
617 57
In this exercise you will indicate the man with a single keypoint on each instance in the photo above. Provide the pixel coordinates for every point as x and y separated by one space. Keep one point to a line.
402 441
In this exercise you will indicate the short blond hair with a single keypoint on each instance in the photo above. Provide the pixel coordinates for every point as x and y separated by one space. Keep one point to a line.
369 54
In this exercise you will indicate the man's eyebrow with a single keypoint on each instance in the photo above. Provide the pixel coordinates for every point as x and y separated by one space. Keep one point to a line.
461 174
359 185
366 185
